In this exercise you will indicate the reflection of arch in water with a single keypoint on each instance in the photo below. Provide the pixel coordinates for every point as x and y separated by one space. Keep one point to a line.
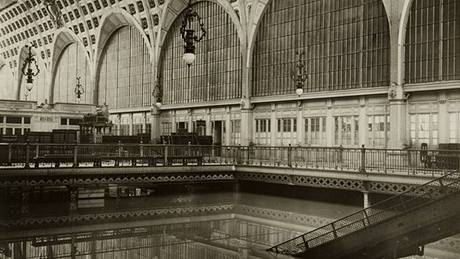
7 79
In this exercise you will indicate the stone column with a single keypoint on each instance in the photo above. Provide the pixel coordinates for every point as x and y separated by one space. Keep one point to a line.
329 124
362 122
190 120
443 120
300 124
131 126
209 131
228 126
246 122
173 121
155 129
398 116
273 126
118 125
397 12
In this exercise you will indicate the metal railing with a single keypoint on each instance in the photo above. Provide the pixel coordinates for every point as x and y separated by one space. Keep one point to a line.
360 160
384 210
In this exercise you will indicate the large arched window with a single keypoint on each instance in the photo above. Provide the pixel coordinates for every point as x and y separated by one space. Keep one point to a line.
433 41
346 45
216 72
125 71
72 63
7 81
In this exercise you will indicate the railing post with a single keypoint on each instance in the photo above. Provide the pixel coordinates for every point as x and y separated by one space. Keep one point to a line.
289 162
75 155
362 168
238 155
119 147
9 153
117 159
166 155
366 217
341 155
141 148
305 243
333 230
247 154
27 155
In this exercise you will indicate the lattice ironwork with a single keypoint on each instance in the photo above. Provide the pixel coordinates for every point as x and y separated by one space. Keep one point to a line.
392 207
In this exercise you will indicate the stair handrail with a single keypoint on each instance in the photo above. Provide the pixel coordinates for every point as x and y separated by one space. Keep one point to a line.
302 242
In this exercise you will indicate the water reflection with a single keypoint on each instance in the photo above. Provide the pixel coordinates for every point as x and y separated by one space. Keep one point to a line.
157 222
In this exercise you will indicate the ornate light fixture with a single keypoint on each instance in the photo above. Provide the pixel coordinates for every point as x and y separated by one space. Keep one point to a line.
299 73
55 12
188 33
28 71
79 90
157 94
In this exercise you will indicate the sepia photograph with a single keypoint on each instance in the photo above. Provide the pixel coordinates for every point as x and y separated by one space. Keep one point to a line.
229 129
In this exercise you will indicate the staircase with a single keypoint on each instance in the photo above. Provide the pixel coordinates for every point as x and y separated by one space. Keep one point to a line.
396 227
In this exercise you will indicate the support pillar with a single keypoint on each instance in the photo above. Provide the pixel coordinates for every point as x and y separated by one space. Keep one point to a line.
443 120
131 125
246 123
236 192
398 117
329 125
19 251
397 12
362 122
366 201
155 129
173 121
209 128
273 128
300 124
228 127
190 121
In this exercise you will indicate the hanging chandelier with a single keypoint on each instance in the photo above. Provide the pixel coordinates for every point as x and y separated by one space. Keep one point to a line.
299 73
55 12
79 90
188 33
28 71
157 94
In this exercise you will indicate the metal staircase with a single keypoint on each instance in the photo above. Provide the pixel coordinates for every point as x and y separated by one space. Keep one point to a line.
396 227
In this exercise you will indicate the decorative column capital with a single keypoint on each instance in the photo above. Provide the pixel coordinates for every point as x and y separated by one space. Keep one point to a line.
396 92
154 110
245 104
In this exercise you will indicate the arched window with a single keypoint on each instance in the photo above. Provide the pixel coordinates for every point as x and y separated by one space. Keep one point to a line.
346 45
125 71
216 72
72 63
433 41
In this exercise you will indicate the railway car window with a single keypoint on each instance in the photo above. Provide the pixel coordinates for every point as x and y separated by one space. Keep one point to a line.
63 121
13 119
26 120
74 121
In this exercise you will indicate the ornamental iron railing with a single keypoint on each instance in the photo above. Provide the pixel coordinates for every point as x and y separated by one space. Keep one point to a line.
360 160
384 210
